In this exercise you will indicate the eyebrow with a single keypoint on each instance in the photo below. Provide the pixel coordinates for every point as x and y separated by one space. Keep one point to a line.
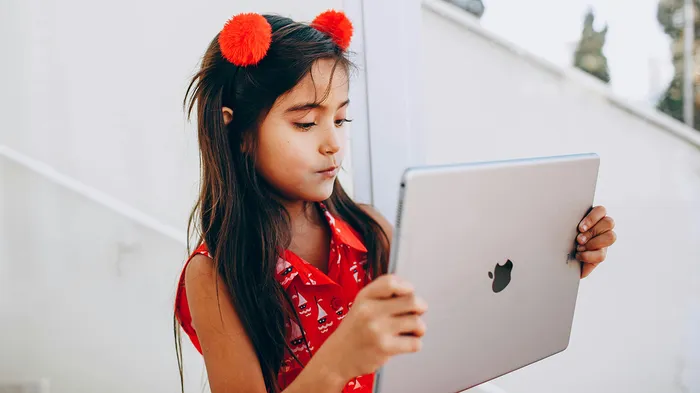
313 105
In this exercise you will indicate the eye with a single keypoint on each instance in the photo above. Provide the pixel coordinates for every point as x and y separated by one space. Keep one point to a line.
304 126
339 123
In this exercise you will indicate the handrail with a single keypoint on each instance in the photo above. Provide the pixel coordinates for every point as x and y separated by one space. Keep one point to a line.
93 194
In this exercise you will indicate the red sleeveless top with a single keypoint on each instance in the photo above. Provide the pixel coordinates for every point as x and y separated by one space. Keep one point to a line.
321 300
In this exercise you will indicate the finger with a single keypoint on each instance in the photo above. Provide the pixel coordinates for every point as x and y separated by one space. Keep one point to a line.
596 256
587 269
404 344
408 325
406 304
386 286
596 214
604 225
603 240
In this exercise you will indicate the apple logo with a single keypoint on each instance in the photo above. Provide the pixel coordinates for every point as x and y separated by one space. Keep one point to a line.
501 276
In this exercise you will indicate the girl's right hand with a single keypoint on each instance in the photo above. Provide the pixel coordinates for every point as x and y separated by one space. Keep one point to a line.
384 321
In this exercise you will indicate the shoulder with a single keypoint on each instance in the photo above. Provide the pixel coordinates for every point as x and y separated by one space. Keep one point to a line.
379 218
200 273
202 281
199 266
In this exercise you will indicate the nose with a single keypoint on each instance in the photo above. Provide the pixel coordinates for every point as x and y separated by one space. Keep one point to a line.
332 141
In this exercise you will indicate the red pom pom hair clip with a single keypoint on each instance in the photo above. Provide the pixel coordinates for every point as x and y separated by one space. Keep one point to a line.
246 38
336 25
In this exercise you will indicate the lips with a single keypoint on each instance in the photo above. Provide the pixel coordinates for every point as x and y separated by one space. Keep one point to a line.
330 169
329 172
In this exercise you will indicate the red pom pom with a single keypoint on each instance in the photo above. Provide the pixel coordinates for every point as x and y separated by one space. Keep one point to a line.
245 39
336 25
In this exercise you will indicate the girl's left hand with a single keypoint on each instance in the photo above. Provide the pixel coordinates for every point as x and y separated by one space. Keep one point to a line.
595 236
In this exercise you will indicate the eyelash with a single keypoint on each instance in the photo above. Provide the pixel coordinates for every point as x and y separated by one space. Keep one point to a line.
307 126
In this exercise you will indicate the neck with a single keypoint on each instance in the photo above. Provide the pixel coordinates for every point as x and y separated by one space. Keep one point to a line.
296 209
310 237
301 213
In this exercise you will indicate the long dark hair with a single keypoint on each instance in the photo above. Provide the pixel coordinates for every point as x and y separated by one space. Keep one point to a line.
236 215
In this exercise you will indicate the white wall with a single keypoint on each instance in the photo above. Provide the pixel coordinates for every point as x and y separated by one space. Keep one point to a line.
86 295
387 97
637 325
95 90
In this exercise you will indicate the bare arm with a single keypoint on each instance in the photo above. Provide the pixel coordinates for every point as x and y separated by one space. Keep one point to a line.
229 356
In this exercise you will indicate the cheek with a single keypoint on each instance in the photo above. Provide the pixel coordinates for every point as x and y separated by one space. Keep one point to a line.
283 161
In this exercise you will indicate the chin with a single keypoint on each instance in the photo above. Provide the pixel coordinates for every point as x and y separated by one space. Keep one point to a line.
308 192
319 194
322 195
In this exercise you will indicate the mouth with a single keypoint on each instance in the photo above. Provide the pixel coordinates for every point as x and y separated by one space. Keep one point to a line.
330 171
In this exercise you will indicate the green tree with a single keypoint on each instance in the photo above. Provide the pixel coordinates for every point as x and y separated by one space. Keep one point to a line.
670 16
474 7
589 55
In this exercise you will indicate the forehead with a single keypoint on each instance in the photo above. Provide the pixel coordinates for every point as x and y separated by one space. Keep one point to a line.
315 85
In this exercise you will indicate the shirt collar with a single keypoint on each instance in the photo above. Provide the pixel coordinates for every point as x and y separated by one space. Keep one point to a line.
342 232
291 266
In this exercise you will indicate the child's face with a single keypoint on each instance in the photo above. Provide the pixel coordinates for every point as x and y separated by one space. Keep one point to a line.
298 143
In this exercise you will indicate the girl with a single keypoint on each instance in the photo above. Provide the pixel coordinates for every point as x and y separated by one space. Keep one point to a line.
287 289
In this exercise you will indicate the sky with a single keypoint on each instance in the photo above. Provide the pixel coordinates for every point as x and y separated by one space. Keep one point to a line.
637 49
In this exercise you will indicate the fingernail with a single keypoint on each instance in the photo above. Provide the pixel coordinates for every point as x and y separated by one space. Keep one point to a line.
580 248
582 239
584 227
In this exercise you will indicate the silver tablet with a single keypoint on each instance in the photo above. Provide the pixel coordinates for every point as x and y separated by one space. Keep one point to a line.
490 246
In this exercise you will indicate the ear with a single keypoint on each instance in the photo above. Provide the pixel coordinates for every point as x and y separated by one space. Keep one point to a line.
228 115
